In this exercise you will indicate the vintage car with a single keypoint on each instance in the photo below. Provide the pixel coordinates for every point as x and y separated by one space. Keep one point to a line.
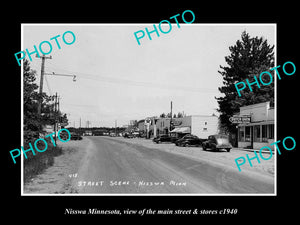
75 136
127 135
162 138
217 142
189 140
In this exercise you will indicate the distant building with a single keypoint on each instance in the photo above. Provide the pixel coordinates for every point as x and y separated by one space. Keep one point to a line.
199 125
141 125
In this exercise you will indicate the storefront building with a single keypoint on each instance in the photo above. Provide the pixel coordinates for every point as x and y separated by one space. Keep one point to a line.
256 126
199 125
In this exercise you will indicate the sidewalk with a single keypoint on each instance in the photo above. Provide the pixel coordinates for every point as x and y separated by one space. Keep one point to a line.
255 150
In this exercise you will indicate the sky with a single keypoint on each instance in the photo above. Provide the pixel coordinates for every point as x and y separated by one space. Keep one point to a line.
118 80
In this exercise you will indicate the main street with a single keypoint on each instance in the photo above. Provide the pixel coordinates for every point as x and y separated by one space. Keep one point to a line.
137 166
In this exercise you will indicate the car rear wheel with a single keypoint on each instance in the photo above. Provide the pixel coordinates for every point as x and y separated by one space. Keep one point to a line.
186 145
228 149
203 147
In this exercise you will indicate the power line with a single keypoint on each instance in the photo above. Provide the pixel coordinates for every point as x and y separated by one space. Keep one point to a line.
109 79
143 83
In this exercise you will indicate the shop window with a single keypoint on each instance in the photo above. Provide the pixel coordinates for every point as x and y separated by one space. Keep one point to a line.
242 134
257 133
271 131
248 134
264 133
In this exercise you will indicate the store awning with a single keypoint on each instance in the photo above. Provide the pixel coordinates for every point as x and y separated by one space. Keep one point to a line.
183 130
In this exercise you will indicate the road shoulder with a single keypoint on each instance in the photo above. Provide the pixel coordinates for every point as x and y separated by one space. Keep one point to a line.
57 179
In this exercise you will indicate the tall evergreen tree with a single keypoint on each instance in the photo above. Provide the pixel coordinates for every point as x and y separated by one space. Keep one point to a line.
248 58
30 98
31 120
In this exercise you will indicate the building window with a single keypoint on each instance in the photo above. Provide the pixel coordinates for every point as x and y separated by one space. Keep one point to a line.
257 133
204 129
271 131
248 134
264 132
242 134
205 123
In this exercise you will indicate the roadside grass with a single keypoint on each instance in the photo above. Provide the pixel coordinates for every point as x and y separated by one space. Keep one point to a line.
36 164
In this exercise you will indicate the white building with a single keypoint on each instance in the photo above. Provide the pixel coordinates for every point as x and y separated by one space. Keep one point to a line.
259 131
199 125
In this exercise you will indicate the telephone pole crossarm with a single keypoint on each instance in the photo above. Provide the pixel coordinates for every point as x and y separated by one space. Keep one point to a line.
60 74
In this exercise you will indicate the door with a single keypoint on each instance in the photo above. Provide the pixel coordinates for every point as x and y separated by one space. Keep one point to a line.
251 137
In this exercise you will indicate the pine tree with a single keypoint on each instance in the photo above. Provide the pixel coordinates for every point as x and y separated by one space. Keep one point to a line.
32 121
249 57
30 98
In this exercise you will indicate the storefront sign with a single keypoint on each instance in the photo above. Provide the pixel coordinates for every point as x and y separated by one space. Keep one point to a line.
240 119
176 123
147 121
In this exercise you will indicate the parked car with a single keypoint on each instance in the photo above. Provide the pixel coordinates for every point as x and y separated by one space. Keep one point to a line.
217 142
189 140
174 138
63 135
128 135
162 138
112 134
76 136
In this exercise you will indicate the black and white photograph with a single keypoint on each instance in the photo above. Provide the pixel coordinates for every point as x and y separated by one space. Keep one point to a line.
149 109
140 111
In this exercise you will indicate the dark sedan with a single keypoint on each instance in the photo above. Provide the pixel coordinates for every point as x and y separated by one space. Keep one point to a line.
162 138
217 142
76 136
128 135
189 140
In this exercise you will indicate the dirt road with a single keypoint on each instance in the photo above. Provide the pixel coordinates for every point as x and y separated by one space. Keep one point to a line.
104 165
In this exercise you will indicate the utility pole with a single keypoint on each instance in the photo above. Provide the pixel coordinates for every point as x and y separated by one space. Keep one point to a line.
171 122
58 104
55 116
116 128
87 124
42 82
